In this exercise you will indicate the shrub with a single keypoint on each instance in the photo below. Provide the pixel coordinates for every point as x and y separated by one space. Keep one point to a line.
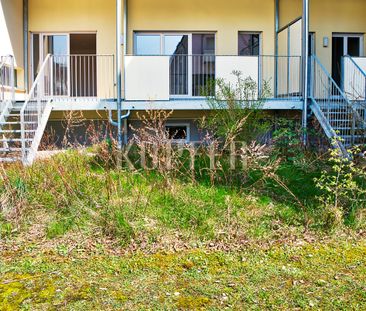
343 188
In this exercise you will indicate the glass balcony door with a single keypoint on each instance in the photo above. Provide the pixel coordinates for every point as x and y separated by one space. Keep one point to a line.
58 46
192 59
178 48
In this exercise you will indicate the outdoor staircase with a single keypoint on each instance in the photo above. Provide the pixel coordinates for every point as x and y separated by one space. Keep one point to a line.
10 134
22 124
342 119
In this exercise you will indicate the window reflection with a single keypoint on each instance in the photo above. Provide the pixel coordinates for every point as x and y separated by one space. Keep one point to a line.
248 44
177 47
148 45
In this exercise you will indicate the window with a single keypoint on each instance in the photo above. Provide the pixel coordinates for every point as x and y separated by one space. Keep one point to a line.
176 45
147 44
249 44
192 59
178 132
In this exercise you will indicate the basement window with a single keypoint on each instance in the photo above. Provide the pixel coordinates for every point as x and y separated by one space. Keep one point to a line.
178 132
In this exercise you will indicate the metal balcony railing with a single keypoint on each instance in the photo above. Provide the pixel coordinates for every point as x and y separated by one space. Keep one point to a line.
85 77
191 76
7 81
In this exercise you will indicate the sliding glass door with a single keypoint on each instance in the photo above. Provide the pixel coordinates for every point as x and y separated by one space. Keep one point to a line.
192 59
74 70
58 46
177 47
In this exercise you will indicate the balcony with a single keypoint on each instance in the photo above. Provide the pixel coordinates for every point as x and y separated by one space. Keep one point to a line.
78 82
186 77
85 79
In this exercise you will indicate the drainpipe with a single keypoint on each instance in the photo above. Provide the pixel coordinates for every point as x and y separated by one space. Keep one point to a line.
277 27
124 117
125 35
119 71
305 65
25 44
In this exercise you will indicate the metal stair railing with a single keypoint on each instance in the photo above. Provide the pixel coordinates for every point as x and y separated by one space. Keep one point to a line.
7 83
329 100
35 111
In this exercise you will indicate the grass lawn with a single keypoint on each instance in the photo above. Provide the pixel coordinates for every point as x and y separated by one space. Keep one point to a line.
324 276
77 237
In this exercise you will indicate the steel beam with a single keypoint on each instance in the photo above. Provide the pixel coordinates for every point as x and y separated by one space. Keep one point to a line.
119 70
305 65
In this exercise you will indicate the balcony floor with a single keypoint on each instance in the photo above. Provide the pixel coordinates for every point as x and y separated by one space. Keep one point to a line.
174 104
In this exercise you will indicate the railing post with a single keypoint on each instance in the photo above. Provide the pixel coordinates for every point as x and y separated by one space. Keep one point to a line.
12 79
353 131
260 76
51 62
305 64
22 133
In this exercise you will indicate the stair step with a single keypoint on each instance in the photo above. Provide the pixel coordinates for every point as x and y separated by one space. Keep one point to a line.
10 160
13 140
15 123
348 128
15 131
11 149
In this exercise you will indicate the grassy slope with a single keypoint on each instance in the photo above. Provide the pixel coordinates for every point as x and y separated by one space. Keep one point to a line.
84 238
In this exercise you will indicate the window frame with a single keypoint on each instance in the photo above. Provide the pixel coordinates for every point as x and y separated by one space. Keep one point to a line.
180 124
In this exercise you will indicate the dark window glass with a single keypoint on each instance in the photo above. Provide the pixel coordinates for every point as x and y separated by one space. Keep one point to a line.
354 46
176 132
337 54
203 44
203 64
177 47
248 44
36 55
83 69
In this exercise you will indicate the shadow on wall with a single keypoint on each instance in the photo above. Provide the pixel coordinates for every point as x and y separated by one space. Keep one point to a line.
11 29
77 133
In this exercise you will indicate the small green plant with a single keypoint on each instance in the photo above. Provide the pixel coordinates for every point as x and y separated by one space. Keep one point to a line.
287 139
343 187
237 113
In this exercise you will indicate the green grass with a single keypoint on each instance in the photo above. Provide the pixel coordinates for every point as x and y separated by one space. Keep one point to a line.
316 276
76 236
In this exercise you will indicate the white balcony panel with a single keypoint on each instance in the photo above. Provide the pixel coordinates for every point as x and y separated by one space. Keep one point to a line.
147 78
353 82
361 62
295 32
247 65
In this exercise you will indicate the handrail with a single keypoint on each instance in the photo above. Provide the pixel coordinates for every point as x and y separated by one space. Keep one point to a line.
34 109
330 78
36 81
341 116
